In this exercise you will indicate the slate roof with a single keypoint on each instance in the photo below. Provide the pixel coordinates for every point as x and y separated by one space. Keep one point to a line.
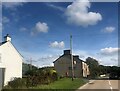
74 57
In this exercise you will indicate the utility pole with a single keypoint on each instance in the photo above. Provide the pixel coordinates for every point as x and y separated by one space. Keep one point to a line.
31 63
71 57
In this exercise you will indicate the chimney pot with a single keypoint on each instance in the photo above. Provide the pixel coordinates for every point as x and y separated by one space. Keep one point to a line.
7 38
67 52
76 56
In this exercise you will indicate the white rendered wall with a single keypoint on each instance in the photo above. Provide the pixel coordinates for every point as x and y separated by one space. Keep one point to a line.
12 62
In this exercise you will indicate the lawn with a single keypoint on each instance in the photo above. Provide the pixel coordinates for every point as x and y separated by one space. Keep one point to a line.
64 83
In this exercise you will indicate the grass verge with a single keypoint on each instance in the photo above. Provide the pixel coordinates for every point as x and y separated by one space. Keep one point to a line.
64 83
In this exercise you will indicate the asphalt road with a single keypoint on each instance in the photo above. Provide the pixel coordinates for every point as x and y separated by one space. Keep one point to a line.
101 85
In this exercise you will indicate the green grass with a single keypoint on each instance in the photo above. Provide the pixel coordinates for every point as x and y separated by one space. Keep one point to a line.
64 83
59 85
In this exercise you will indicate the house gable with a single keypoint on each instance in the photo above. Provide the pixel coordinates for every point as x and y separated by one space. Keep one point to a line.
12 61
10 45
63 65
67 57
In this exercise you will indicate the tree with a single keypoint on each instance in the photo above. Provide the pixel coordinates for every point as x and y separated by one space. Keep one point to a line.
102 69
93 67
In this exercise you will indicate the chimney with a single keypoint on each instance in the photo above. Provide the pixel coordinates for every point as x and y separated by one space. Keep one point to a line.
7 38
76 56
67 52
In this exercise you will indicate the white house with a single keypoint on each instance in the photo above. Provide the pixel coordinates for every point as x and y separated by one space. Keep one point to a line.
10 61
85 68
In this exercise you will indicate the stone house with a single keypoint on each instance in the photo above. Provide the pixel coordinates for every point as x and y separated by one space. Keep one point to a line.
63 65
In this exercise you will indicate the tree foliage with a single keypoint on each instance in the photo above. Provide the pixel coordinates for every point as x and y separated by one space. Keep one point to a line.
96 69
93 67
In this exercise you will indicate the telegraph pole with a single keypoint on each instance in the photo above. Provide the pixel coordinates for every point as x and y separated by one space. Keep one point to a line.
71 57
31 63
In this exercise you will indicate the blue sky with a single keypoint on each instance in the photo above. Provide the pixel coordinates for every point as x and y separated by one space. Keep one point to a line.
41 31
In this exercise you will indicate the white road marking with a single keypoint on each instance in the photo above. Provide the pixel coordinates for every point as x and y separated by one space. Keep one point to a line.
83 86
110 85
109 82
91 81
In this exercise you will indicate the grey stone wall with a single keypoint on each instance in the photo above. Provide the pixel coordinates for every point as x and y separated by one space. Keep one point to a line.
63 66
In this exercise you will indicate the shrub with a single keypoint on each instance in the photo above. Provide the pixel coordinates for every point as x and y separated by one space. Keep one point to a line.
54 76
34 78
17 83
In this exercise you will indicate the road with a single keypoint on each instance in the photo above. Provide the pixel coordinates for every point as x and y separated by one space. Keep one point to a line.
101 85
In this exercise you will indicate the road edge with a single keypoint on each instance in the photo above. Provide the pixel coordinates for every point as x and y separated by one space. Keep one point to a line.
90 82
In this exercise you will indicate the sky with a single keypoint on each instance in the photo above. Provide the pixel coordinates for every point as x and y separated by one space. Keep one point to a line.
41 30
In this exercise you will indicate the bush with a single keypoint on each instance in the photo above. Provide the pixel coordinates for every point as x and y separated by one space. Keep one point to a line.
17 83
54 76
34 78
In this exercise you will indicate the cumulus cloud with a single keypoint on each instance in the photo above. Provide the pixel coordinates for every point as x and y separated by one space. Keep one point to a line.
40 27
77 13
57 44
109 29
102 59
110 51
5 19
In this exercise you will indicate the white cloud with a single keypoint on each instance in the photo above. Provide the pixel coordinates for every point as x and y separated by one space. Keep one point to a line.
40 27
56 7
111 61
77 13
109 51
12 5
23 29
40 59
84 54
109 29
56 44
114 59
108 56
47 60
102 59
5 19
